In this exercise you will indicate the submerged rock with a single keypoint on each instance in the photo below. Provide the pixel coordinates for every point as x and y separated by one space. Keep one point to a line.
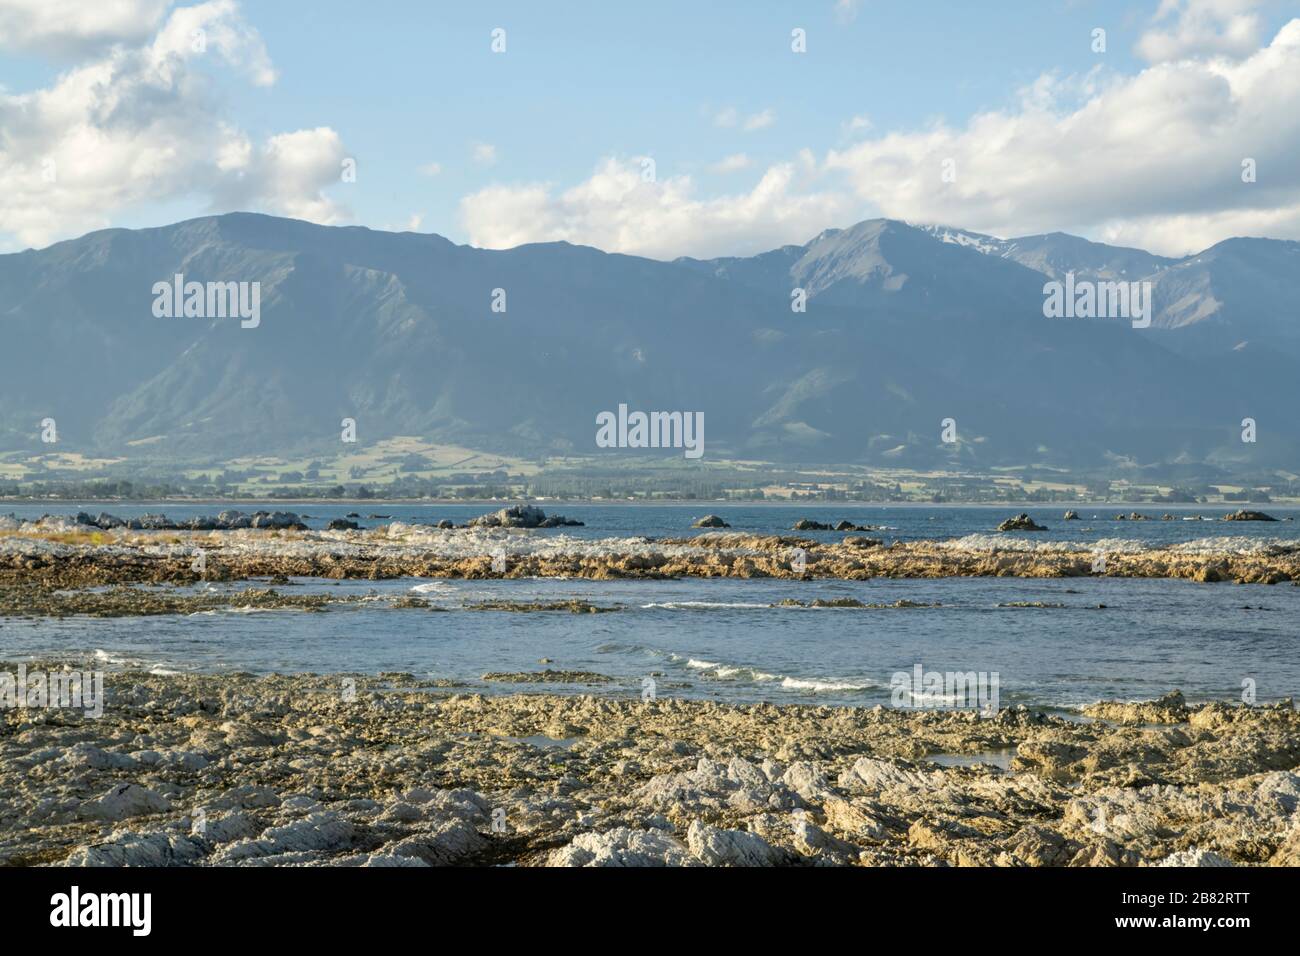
572 605
548 676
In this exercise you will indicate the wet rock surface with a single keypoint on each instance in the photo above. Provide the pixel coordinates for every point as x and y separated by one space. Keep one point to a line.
522 516
1021 522
709 521
807 524
225 521
65 555
35 600
1245 515
350 770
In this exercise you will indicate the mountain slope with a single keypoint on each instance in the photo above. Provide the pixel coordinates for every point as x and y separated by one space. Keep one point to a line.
904 327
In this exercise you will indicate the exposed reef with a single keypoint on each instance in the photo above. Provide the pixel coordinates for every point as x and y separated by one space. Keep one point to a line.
58 553
351 770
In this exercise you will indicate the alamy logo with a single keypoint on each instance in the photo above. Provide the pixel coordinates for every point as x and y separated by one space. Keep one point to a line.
1086 299
212 300
55 689
103 909
651 430
954 690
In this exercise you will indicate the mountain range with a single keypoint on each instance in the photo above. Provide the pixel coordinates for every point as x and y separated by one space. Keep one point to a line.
904 326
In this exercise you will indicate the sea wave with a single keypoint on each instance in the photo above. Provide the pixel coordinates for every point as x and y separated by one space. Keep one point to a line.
824 686
815 685
433 587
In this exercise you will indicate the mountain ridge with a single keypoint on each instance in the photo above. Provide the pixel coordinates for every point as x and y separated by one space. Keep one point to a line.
904 326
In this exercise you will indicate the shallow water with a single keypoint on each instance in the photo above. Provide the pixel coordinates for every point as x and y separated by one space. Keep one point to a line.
722 639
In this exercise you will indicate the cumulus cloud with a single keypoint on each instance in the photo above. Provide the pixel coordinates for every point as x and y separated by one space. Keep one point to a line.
215 26
1153 159
287 175
618 210
1186 28
73 28
139 124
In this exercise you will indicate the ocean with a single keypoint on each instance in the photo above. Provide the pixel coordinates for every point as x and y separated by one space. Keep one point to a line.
728 639
901 522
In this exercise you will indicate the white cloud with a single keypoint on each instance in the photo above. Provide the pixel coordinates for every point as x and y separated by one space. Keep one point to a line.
1183 234
214 27
730 117
138 125
731 164
287 176
1200 27
72 28
431 169
485 154
1154 159
616 210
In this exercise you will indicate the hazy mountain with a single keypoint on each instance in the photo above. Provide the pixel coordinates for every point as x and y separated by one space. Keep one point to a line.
1057 253
904 326
1238 294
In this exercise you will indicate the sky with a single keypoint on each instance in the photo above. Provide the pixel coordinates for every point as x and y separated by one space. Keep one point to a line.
665 129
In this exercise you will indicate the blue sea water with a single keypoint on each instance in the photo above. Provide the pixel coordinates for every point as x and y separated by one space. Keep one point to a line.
901 522
1103 638
1099 638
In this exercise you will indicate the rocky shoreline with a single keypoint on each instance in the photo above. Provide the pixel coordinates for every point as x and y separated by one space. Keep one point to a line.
63 554
390 770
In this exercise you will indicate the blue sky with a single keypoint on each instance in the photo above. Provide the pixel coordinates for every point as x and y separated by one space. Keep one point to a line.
712 92
630 79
